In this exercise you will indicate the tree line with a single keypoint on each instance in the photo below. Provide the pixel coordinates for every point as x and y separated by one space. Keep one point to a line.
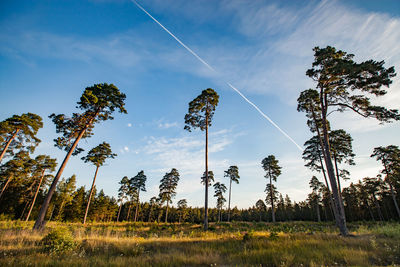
341 84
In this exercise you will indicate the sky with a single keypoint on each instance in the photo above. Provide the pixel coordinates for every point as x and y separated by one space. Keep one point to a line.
50 51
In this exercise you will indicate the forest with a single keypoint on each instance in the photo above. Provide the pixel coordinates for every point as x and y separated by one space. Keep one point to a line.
34 193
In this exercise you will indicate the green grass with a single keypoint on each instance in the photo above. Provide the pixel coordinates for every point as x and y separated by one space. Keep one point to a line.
234 244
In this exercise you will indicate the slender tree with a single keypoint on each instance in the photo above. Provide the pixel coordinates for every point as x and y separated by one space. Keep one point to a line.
138 182
97 156
200 114
372 186
315 196
312 155
168 186
98 103
182 209
273 170
19 132
261 208
342 151
122 193
219 189
18 168
342 84
43 163
233 174
271 198
65 194
390 158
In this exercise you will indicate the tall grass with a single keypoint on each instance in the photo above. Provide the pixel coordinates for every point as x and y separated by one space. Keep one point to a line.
233 244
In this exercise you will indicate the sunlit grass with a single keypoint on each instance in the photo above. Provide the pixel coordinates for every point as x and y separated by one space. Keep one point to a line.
242 244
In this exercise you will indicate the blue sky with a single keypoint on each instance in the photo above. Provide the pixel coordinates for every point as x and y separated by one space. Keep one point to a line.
51 50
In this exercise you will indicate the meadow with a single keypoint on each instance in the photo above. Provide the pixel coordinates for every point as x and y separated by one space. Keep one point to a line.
225 244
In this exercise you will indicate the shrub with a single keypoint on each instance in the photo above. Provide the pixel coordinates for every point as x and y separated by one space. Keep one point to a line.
58 241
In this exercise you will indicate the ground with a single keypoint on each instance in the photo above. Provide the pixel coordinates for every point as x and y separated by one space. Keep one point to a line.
225 244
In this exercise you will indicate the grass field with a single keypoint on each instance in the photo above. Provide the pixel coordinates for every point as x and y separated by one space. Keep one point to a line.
234 244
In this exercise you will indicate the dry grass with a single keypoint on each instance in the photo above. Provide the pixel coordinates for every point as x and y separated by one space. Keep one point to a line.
236 244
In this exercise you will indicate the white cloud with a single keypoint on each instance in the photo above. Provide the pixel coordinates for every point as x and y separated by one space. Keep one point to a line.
129 125
166 125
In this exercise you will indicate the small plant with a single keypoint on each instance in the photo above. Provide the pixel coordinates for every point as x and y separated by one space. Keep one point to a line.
58 241
247 236
273 235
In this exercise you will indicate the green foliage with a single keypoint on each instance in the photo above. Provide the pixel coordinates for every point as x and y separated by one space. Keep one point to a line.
21 132
201 110
271 167
98 155
58 241
138 182
233 174
210 178
220 189
98 102
168 185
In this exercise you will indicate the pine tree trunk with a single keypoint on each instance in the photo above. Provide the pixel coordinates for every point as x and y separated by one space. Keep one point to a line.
229 202
137 206
272 198
324 143
206 182
391 189
8 144
119 211
378 207
59 215
39 224
90 195
166 214
370 211
129 211
337 173
318 213
23 211
34 198
5 186
338 202
326 183
394 199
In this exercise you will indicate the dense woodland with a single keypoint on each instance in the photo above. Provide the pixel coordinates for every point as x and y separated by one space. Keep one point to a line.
30 191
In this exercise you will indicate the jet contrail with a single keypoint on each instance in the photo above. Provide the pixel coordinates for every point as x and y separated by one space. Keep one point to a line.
212 69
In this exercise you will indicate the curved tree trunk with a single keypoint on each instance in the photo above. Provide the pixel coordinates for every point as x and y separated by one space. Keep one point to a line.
391 189
8 144
338 202
39 224
5 186
337 173
119 211
129 211
229 202
34 198
326 183
90 195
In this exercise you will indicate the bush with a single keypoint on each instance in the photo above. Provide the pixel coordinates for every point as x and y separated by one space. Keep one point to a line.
58 241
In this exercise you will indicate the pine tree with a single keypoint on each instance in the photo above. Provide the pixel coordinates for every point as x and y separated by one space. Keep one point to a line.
98 103
168 186
200 114
233 174
273 170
